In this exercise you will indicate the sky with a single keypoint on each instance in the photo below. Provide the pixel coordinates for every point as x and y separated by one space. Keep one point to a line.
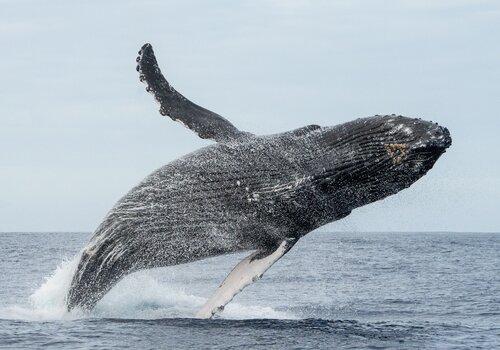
78 130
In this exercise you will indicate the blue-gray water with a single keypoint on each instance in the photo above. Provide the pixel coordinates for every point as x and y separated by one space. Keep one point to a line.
348 290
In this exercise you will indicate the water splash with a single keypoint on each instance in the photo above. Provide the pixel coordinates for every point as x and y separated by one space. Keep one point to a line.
50 298
138 296
48 301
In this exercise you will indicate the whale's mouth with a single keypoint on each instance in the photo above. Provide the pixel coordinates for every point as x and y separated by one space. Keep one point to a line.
436 139
372 158
430 142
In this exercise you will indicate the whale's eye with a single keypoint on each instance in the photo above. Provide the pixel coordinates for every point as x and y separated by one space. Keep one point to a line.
397 152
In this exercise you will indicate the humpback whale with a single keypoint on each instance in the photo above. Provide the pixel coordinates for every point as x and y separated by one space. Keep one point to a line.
247 192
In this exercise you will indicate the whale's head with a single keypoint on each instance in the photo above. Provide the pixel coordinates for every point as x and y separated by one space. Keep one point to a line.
371 158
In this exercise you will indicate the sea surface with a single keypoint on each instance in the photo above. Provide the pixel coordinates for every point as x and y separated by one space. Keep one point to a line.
332 290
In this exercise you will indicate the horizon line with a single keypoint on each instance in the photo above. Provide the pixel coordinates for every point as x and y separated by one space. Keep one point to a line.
315 231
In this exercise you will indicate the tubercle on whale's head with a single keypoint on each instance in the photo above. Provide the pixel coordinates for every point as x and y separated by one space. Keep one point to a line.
371 158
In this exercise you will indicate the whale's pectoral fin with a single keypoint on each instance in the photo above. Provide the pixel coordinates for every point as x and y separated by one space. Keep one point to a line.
207 124
247 271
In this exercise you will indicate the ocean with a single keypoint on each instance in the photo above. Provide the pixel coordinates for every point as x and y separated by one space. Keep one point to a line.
332 290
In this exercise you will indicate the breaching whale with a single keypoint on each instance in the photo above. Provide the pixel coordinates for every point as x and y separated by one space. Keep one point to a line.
247 192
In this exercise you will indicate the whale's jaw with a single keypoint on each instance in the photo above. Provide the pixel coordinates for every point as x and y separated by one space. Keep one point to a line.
371 158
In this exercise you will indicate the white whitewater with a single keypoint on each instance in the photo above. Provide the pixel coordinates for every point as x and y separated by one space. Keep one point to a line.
138 296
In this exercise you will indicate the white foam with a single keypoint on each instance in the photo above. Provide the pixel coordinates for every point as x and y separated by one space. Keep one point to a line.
48 301
144 296
139 296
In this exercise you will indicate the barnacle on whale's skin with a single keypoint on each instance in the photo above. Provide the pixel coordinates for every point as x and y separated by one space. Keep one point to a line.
248 192
397 152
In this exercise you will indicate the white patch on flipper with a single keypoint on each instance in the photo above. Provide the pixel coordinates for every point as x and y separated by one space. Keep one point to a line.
247 271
